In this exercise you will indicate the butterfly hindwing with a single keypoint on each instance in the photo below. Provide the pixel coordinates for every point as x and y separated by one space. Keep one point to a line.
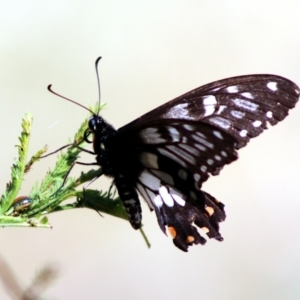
177 156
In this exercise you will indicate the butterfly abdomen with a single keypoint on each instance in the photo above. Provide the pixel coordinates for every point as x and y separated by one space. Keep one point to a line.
130 199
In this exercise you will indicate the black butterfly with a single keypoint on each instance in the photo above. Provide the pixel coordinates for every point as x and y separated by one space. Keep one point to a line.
166 154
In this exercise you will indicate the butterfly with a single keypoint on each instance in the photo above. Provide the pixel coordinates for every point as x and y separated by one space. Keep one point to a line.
166 154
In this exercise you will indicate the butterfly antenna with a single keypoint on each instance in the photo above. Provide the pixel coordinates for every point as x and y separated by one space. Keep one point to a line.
98 81
56 94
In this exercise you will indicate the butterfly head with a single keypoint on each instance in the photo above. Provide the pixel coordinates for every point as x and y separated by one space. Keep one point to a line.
96 123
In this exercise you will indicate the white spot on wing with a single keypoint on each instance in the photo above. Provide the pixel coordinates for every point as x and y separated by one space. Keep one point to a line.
237 114
178 197
149 180
189 149
203 168
224 153
256 123
182 154
158 201
221 109
210 161
217 157
202 141
151 136
218 134
209 103
232 89
272 86
247 95
209 100
245 104
173 130
200 134
223 123
197 177
178 111
269 115
243 133
166 197
188 127
179 200
200 147
209 110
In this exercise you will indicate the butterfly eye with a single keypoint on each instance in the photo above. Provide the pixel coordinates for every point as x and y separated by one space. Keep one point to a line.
92 123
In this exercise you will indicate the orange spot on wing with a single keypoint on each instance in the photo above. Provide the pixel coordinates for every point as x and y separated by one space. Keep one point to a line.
172 232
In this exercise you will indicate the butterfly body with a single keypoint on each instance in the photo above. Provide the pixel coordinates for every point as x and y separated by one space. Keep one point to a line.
166 154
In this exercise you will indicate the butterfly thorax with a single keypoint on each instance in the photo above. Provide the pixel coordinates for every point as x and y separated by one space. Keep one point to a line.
113 151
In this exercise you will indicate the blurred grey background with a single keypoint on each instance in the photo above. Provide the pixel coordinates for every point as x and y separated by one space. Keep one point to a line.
152 52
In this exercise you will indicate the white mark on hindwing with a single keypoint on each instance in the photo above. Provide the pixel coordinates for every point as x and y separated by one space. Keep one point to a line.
149 180
158 201
224 153
272 85
178 197
200 147
201 134
218 134
202 141
189 149
243 133
210 161
188 127
182 154
174 133
245 104
217 157
166 197
197 177
203 168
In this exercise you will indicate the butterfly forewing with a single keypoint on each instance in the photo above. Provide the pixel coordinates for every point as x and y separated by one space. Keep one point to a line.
241 106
